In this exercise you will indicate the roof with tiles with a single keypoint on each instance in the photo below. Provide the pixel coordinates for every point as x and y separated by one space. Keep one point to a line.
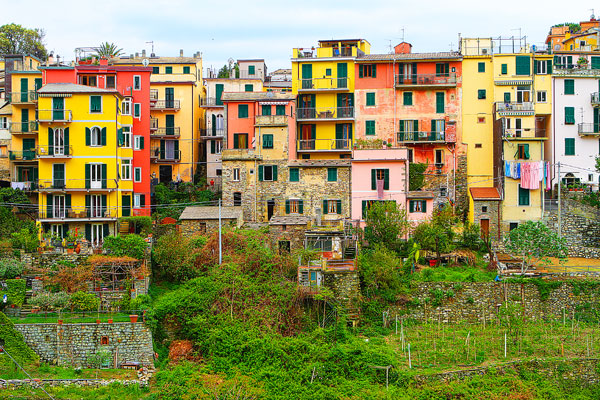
485 193
251 96
72 88
447 55
211 212
289 220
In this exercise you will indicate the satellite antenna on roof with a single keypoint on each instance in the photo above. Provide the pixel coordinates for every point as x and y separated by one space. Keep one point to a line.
152 43
145 62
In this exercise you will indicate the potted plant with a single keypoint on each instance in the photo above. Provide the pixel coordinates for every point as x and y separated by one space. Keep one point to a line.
133 318
110 320
60 322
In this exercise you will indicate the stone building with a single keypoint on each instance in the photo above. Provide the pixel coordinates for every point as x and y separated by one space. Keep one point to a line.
195 220
5 117
487 211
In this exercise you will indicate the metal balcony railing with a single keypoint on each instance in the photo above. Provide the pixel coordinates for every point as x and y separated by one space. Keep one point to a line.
323 84
24 155
55 116
24 185
157 156
325 113
421 137
165 105
23 127
514 106
595 99
522 133
574 69
30 96
210 102
153 123
153 94
54 151
212 132
448 79
76 184
271 120
77 213
168 131
588 129
323 144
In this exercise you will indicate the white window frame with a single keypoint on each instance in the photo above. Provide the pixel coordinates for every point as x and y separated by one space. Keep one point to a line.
127 135
331 207
97 235
544 95
126 107
137 201
218 146
57 229
106 81
236 174
99 137
138 106
265 173
541 67
95 175
137 82
137 141
96 206
3 122
136 171
59 209
126 164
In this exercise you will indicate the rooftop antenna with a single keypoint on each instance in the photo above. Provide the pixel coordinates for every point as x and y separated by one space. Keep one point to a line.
451 46
592 16
152 43
390 40
402 33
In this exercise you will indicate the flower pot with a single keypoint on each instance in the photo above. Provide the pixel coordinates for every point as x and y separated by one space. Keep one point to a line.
133 318
97 321
110 321
60 322
432 263
70 251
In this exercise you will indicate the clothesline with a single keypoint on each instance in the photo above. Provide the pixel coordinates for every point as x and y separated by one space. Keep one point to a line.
531 173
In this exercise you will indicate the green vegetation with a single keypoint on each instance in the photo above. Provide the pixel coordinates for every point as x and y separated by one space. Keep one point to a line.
141 225
14 342
386 225
10 268
133 246
16 39
82 301
437 234
416 176
15 291
171 200
108 50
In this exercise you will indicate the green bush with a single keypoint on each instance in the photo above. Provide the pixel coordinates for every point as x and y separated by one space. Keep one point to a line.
142 225
14 342
173 258
10 268
15 291
133 246
141 302
25 239
81 301
48 301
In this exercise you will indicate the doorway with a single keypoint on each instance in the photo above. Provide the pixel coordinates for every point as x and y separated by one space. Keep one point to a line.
485 227
270 209
165 173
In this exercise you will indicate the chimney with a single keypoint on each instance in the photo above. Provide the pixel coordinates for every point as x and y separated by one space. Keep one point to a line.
131 56
137 55
144 53
181 53
403 48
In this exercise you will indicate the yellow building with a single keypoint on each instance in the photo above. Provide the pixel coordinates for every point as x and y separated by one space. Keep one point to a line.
323 80
176 116
507 110
84 176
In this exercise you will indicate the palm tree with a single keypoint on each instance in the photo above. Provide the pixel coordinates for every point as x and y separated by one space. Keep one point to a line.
108 50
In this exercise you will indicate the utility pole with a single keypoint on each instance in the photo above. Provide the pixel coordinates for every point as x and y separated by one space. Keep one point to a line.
559 205
220 240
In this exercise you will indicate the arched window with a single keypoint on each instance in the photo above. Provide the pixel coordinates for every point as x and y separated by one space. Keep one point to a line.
104 340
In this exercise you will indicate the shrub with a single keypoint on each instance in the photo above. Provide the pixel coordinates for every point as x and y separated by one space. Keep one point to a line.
47 301
380 269
82 301
10 268
141 302
14 342
25 239
173 258
126 246
15 291
141 225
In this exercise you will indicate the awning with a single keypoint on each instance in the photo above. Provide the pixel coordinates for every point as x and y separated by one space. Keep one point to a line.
520 82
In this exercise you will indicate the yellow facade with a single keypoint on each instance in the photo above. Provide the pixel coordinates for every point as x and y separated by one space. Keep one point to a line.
175 93
323 79
83 174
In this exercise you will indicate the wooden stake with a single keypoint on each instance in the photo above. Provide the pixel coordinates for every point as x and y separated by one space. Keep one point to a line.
504 344
409 360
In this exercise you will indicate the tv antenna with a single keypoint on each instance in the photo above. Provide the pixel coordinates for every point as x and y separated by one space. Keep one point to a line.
593 16
152 43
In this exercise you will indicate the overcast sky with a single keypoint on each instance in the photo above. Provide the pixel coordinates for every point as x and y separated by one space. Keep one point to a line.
270 29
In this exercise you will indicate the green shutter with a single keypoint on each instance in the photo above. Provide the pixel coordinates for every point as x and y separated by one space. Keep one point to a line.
373 179
481 94
213 146
325 207
332 174
104 200
287 206
569 115
370 99
523 65
141 143
439 102
176 149
88 135
274 173
411 206
280 110
266 110
481 67
401 126
267 141
364 209
523 196
407 98
569 86
339 206
416 125
105 230
87 176
120 137
548 66
168 70
360 71
88 203
249 88
242 110
103 136
251 70
504 69
38 83
535 67
66 140
88 232
386 179
126 200
103 176
49 205
569 146
50 141
236 141
162 149
156 70
370 127
424 205
374 70
260 172
300 206
595 62
294 174
142 200
507 97
186 70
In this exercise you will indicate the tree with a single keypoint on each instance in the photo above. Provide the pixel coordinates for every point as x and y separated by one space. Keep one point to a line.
416 176
534 242
16 39
438 234
223 72
108 50
380 270
386 224
15 203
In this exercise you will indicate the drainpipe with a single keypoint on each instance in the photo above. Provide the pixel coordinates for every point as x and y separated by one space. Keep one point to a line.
395 95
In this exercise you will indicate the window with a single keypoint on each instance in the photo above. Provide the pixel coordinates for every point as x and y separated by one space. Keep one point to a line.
240 140
294 206
251 70
3 123
328 72
332 206
481 120
126 170
236 174
110 82
569 146
96 136
138 143
126 132
563 62
137 110
410 155
219 172
367 71
541 96
371 99
215 146
417 206
137 174
168 70
156 70
504 69
294 174
249 88
484 209
370 127
569 115
590 177
442 69
237 199
478 145
408 98
267 141
542 67
523 152
58 207
523 196
481 67
569 86
481 94
242 110
522 65
186 70
137 82
380 177
104 340
280 110
267 173
126 107
95 104
332 175
88 80
439 102
513 225
265 110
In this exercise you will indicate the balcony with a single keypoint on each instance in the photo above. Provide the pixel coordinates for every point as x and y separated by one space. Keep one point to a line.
514 108
595 99
523 134
76 214
575 70
210 102
153 124
214 134
153 95
425 80
27 186
28 97
316 145
165 132
325 113
421 137
23 128
271 120
165 105
326 52
25 155
81 185
54 151
158 156
323 84
586 129
55 116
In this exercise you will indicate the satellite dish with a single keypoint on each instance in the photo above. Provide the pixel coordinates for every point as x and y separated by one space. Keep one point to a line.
145 62
270 95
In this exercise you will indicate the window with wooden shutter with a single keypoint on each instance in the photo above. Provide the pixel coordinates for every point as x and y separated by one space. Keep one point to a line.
523 196
95 104
186 70
267 141
251 70
569 115
168 70
407 98
280 110
266 110
481 94
569 86
156 70
481 67
370 127
242 110
440 106
331 174
569 146
371 99
504 69
249 88
294 174
522 65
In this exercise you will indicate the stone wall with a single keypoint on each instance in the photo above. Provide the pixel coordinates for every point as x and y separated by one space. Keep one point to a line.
36 260
344 285
75 344
481 301
490 210
194 227
4 161
292 233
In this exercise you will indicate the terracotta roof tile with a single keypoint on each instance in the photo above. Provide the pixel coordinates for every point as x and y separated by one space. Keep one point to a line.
485 193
